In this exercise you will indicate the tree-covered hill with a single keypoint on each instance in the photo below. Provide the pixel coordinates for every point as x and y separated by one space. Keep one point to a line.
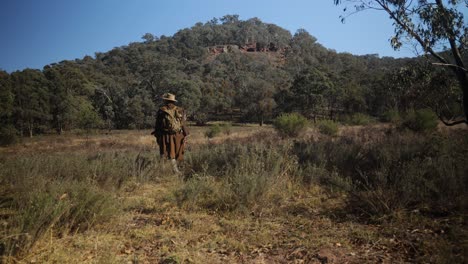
245 70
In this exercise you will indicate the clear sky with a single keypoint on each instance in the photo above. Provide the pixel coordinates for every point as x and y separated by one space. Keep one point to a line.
39 32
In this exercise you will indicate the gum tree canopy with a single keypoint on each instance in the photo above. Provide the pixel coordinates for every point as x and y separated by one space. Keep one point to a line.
436 27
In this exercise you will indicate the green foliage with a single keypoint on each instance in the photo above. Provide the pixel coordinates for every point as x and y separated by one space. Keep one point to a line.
232 176
6 96
391 116
8 135
311 90
226 128
327 127
427 25
403 171
200 118
213 131
61 207
87 116
290 125
422 120
56 194
358 119
225 69
31 107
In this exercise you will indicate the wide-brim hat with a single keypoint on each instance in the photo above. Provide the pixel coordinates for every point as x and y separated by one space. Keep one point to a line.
169 97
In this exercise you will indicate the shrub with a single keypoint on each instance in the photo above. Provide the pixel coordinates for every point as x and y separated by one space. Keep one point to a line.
200 118
58 194
226 128
328 127
422 120
402 171
8 135
58 206
232 176
358 119
290 125
391 116
213 131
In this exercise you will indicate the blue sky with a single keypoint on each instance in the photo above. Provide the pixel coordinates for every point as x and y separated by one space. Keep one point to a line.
36 33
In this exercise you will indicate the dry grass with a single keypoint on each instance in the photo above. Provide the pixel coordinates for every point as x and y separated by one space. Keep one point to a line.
291 222
120 140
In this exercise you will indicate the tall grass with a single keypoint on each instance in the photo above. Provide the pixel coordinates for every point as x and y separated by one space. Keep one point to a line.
402 171
62 193
59 194
327 127
357 119
233 176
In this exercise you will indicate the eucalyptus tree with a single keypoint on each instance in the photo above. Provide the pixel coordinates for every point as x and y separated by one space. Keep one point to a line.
6 97
312 91
31 100
432 26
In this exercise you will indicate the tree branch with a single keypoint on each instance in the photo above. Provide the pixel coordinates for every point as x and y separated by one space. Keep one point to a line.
411 32
449 65
449 123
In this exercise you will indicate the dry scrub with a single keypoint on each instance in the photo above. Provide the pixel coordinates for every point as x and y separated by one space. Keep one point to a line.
248 196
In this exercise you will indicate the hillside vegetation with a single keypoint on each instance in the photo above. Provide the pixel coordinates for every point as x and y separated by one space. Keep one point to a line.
297 154
227 68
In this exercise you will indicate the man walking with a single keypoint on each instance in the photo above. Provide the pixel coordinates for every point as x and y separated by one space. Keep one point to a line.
170 131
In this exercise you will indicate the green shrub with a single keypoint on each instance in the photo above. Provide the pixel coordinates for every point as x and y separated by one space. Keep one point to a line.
226 128
59 207
8 135
422 120
358 119
401 171
213 131
327 127
57 194
200 118
391 116
290 125
232 176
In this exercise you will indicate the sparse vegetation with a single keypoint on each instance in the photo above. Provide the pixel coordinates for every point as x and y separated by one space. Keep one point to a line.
290 125
391 116
327 127
402 171
235 197
213 131
226 128
421 120
358 119
232 175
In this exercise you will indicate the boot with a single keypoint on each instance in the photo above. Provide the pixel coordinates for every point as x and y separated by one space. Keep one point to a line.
175 169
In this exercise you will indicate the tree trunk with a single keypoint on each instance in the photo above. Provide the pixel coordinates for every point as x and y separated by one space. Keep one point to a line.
463 81
30 128
460 71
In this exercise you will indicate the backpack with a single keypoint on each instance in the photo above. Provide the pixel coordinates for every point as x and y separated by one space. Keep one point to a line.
172 120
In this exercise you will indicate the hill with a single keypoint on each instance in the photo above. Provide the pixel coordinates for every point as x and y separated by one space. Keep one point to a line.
247 70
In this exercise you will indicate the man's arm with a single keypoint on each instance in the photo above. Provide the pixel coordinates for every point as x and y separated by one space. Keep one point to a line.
157 125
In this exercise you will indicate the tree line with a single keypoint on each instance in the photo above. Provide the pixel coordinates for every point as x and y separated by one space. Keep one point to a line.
120 89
